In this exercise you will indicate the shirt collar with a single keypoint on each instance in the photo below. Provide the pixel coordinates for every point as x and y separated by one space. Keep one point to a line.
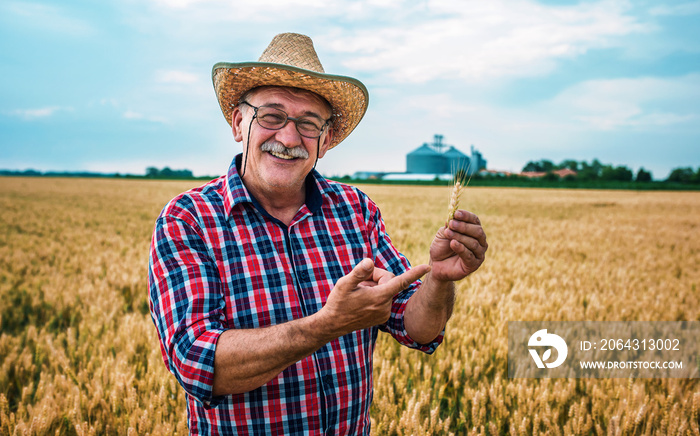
236 193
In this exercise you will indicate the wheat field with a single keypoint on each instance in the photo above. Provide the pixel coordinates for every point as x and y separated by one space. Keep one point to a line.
79 354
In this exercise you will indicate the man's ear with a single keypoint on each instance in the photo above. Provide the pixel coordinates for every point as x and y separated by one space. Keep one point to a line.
237 124
327 139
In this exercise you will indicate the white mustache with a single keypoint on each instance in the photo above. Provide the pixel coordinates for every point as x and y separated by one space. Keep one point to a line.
277 147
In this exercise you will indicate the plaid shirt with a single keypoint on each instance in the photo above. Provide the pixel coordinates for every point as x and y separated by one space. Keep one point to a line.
219 261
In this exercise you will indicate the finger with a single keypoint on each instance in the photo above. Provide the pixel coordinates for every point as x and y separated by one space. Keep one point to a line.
380 275
471 244
361 272
401 282
468 255
471 230
466 216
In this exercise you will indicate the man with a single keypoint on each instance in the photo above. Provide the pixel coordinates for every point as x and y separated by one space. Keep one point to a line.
268 285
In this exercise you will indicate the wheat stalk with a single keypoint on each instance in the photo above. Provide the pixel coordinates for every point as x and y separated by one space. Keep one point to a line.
454 200
458 187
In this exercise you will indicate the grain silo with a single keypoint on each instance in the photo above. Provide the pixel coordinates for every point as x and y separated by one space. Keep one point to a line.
456 160
425 160
478 162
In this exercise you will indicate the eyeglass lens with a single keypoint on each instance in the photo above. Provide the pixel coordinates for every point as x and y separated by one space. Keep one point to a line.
275 119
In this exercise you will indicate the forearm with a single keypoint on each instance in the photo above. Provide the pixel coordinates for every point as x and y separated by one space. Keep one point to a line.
428 309
246 359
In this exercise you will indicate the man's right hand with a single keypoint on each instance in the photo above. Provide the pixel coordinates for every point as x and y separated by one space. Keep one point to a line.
248 358
363 298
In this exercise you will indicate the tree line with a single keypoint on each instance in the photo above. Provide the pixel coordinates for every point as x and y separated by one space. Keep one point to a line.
167 173
604 172
151 173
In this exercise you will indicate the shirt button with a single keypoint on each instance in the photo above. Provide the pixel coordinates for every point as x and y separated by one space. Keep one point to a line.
303 275
328 380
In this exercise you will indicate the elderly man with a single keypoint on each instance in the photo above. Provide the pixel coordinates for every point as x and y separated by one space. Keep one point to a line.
268 285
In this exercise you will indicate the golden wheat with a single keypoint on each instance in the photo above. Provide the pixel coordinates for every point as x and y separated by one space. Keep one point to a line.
79 353
459 184
454 200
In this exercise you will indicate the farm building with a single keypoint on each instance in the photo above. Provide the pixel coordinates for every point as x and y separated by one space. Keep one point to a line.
426 160
430 161
440 158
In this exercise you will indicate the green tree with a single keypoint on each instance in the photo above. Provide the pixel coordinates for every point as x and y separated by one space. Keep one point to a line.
682 175
621 173
531 166
168 173
590 171
551 177
539 166
568 163
643 176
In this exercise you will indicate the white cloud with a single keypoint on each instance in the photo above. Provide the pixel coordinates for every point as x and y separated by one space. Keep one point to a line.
43 112
440 106
177 4
473 40
108 102
634 118
46 17
132 115
174 76
420 41
260 11
640 102
690 8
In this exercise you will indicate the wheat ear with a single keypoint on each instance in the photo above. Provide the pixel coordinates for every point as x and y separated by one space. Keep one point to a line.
454 200
457 188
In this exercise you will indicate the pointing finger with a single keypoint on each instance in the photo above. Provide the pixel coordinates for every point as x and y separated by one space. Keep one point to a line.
401 282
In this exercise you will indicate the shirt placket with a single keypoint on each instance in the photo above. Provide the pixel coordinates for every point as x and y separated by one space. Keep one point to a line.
312 303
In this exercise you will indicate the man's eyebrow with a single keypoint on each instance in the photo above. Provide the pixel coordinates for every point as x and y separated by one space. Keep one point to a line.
306 113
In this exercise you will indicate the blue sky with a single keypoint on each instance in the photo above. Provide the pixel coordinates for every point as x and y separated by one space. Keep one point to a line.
120 85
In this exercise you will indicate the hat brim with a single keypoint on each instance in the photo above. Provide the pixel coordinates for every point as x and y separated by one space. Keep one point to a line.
347 96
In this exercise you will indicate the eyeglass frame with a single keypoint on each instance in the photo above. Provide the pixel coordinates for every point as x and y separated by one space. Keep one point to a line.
286 121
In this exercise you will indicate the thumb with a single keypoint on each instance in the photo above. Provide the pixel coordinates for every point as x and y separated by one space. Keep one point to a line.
359 274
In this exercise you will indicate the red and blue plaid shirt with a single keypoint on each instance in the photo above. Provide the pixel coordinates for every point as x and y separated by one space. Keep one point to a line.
218 261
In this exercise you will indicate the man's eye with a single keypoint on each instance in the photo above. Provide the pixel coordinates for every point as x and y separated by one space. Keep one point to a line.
272 118
308 126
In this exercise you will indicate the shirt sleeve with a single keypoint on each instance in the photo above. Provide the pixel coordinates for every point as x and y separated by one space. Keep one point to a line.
390 259
186 304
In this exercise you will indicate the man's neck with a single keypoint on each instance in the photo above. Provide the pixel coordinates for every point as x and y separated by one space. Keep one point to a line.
282 203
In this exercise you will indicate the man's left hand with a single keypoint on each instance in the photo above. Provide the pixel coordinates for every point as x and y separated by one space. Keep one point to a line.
459 248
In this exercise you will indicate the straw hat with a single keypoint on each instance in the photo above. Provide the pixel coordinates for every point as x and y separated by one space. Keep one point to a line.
290 60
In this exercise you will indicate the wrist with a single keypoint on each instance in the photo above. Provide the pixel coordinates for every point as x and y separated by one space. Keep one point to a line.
321 328
437 284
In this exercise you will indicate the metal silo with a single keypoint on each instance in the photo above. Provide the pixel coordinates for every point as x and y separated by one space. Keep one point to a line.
425 160
456 160
478 162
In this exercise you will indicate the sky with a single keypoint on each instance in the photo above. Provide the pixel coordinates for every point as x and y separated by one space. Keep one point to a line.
122 85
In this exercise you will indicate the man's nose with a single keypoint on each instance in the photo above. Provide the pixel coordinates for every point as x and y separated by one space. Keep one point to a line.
289 135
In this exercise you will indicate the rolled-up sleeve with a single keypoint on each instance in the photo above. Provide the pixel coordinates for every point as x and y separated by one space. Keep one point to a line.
390 259
186 304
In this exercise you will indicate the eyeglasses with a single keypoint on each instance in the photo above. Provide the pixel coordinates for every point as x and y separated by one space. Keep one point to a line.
274 119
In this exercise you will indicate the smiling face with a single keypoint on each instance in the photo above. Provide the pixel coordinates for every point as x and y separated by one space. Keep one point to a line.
278 161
